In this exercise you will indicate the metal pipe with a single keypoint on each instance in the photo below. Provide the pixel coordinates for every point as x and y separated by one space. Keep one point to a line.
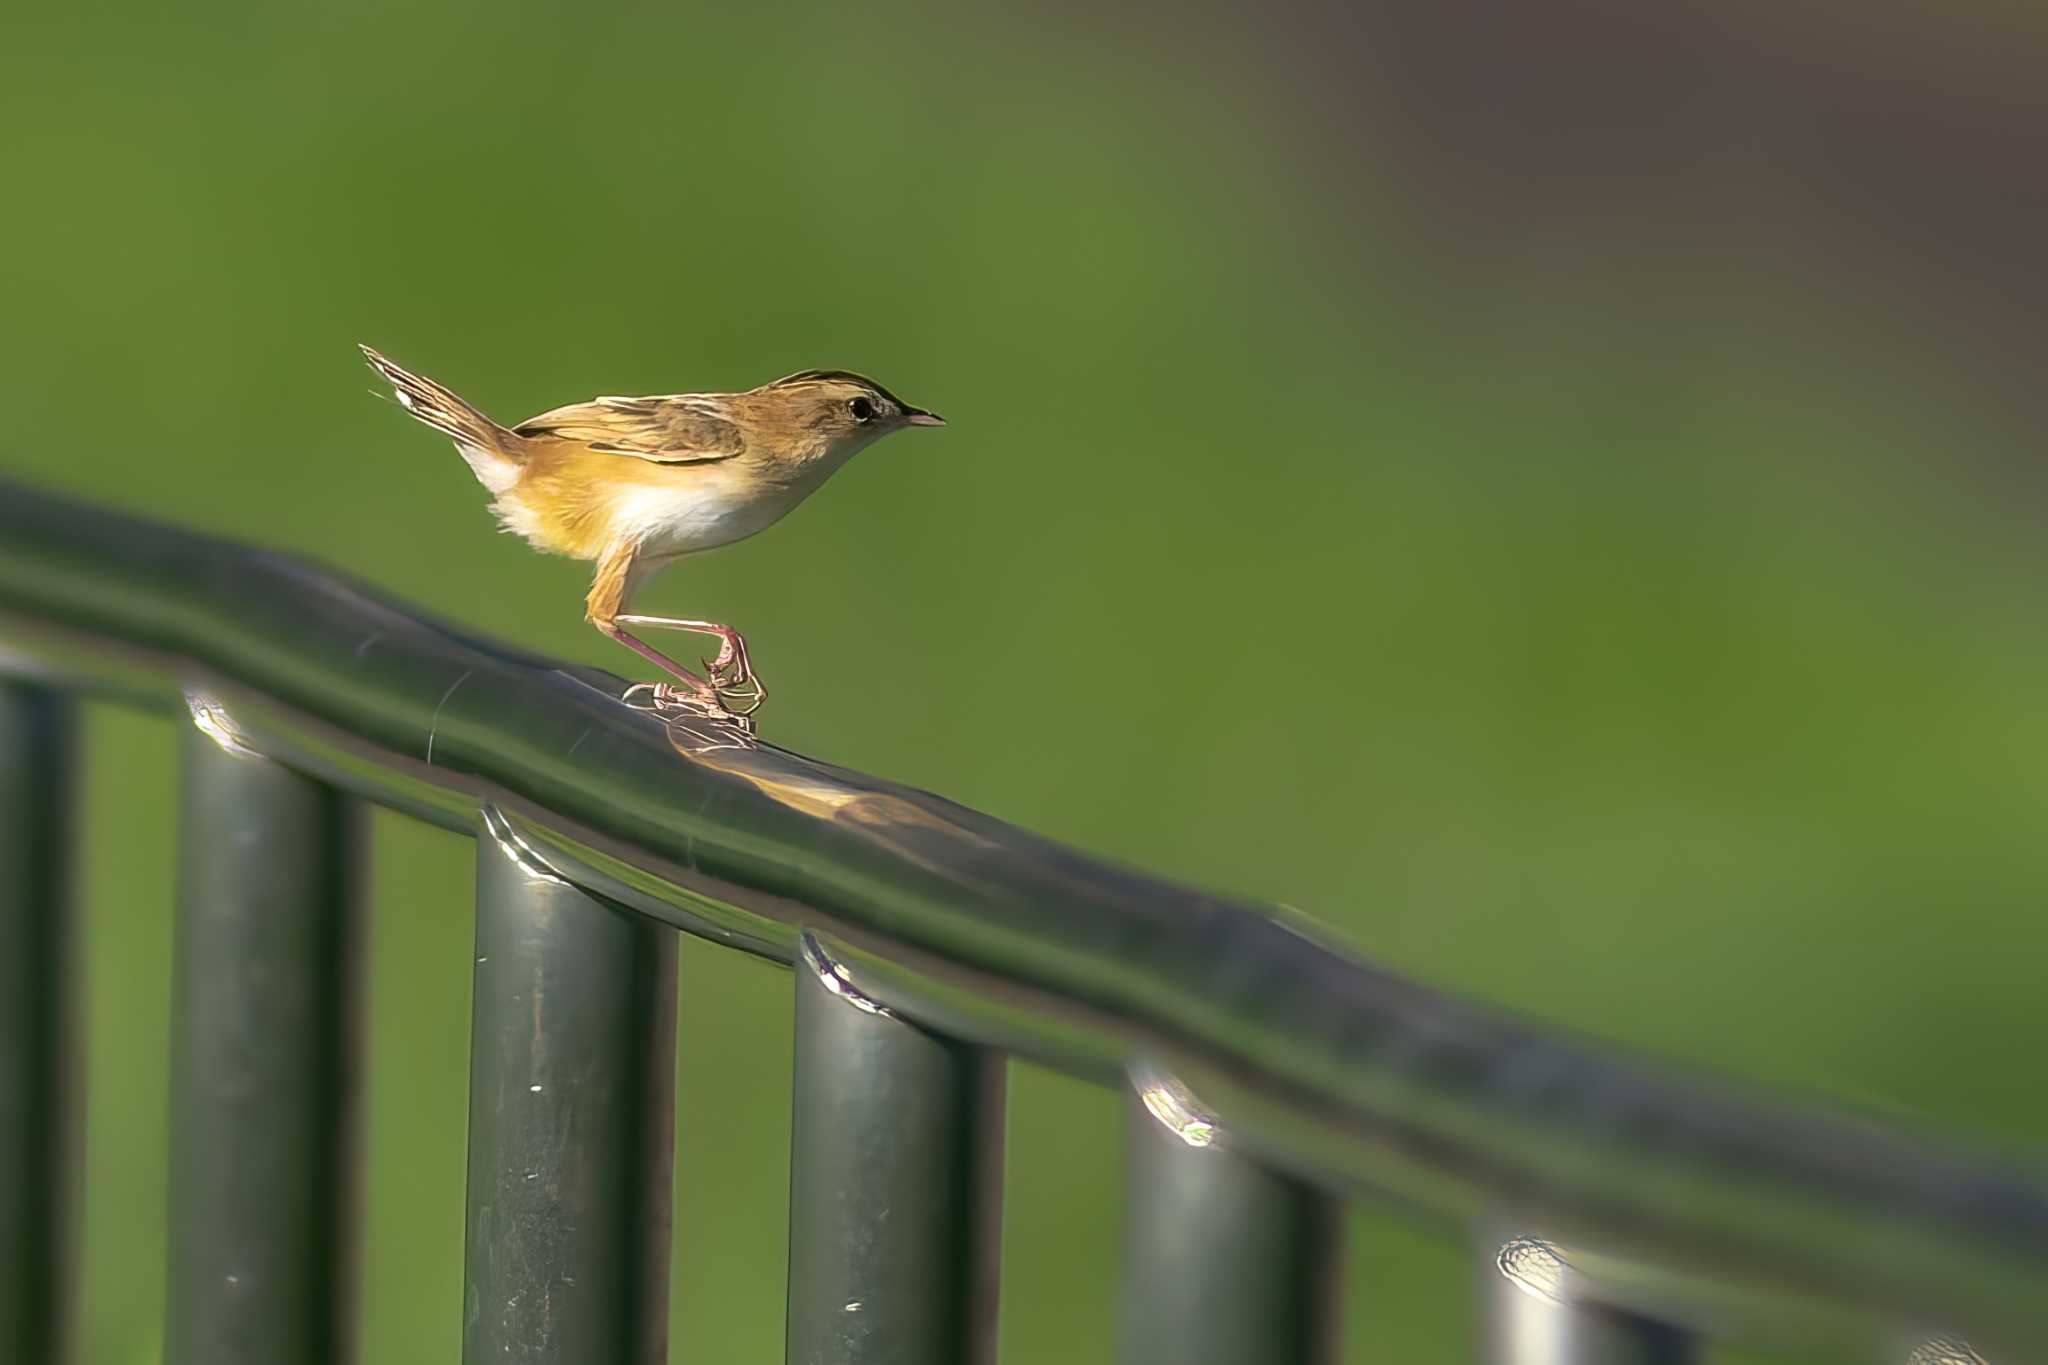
1538 1312
571 1121
38 744
1326 1063
895 1184
1226 1261
263 1061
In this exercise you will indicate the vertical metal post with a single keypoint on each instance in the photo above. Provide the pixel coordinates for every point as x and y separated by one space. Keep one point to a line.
571 1119
895 1190
1537 1314
263 1060
38 735
1226 1261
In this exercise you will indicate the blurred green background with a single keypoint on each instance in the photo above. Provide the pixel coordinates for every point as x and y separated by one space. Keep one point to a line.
1552 491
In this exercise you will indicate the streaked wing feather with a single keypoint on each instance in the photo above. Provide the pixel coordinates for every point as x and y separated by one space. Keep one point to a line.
675 429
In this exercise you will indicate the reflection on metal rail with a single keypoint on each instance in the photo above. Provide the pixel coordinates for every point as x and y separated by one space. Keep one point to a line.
1273 1073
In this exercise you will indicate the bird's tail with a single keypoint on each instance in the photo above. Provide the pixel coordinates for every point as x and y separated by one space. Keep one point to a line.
492 451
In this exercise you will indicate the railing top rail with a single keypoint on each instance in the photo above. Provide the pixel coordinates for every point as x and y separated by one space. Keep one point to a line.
1309 1054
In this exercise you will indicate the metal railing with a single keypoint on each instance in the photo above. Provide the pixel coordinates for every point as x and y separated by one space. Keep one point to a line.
1620 1212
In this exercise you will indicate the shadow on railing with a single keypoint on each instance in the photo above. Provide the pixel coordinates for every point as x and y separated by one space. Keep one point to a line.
1623 1212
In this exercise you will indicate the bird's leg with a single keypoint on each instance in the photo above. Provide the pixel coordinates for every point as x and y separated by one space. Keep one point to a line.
619 571
732 673
731 692
694 687
732 649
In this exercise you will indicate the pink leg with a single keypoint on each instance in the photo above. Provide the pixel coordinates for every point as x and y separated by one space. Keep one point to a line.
619 572
732 648
732 655
697 686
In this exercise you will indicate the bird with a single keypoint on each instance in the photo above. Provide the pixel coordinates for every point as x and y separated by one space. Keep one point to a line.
634 484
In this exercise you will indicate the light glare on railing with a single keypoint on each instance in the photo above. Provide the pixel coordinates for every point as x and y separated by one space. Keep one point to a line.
216 724
1167 1100
1535 1267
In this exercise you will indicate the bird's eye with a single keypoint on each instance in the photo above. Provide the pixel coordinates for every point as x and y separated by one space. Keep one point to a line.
861 409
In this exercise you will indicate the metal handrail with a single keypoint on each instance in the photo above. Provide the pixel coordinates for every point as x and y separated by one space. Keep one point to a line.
1690 1195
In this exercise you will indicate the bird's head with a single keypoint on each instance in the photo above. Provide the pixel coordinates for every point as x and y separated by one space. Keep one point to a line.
838 409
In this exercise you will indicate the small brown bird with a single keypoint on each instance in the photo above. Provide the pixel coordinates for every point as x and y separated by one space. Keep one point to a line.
637 483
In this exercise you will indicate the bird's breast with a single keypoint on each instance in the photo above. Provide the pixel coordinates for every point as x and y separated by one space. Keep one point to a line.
698 509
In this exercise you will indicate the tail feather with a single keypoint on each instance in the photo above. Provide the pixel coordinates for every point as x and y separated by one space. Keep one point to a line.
491 450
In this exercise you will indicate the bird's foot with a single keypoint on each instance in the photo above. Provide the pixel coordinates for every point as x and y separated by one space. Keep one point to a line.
669 700
732 683
742 695
733 680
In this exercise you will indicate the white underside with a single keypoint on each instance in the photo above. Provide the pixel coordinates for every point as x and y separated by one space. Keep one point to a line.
667 522
718 506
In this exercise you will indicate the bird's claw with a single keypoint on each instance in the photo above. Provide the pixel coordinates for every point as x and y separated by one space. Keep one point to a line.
730 667
733 679
730 693
667 699
743 696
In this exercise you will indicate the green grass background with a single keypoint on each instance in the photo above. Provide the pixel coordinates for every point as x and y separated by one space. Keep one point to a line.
1648 647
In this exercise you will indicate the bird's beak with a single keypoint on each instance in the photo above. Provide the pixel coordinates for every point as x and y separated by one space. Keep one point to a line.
918 417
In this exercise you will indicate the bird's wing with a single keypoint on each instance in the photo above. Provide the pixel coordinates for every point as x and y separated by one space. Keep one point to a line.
667 430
